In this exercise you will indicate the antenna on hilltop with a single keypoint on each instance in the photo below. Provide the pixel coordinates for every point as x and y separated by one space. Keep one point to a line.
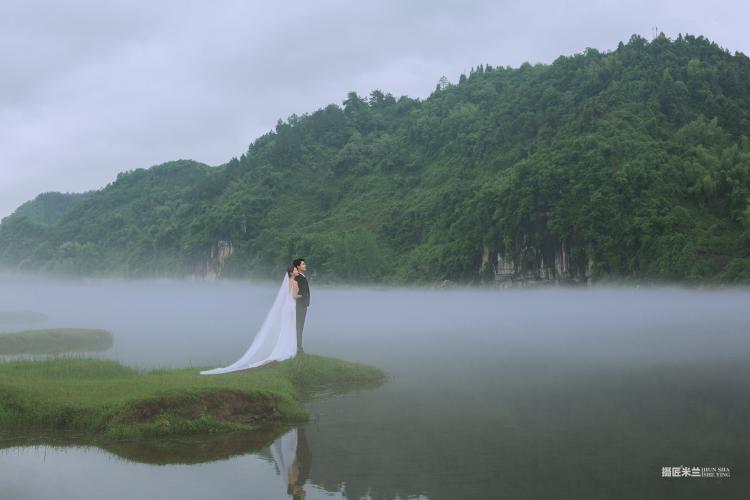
656 32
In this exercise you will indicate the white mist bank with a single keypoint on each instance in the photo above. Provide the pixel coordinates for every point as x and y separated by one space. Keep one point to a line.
169 323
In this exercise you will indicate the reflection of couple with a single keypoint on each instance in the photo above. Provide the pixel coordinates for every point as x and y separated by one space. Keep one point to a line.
280 336
293 458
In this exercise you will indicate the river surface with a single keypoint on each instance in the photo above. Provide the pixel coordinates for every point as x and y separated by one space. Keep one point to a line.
549 393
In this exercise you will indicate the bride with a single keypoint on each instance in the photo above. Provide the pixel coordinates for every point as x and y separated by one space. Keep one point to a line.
276 340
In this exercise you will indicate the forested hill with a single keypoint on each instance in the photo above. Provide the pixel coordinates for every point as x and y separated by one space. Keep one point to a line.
630 164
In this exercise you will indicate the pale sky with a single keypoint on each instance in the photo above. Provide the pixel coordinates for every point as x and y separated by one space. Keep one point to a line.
92 88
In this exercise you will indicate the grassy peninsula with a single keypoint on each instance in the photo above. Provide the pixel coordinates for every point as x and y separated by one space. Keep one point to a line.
114 402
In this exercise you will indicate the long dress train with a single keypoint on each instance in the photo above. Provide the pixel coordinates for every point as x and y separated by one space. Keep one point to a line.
275 341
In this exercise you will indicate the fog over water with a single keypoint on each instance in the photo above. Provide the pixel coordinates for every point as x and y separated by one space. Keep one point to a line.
182 323
521 393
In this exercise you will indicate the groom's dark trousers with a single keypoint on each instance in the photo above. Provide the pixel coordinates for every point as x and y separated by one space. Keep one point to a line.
301 313
302 305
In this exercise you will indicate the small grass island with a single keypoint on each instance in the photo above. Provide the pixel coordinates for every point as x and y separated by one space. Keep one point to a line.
21 317
112 402
55 341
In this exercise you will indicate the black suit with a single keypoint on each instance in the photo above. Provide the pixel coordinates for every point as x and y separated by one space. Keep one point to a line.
302 304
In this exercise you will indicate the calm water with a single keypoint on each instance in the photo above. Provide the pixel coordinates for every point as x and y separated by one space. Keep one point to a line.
553 393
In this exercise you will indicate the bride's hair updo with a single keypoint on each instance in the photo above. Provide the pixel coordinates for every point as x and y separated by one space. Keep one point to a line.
289 271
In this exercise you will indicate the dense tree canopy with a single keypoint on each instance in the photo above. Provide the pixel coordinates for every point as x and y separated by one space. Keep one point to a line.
633 164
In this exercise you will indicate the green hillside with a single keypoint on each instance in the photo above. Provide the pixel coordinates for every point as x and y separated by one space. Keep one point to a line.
48 208
629 164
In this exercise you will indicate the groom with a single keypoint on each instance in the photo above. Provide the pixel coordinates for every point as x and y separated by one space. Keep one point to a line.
303 302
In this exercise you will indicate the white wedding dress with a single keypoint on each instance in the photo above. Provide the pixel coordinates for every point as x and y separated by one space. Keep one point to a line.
284 453
275 341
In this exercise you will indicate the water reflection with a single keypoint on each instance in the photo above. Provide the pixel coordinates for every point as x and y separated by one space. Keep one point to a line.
233 465
180 450
293 459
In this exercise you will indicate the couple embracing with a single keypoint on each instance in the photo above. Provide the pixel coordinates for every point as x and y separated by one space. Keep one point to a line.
280 335
300 291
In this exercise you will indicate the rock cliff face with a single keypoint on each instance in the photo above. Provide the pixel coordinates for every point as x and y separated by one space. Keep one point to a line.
527 265
213 266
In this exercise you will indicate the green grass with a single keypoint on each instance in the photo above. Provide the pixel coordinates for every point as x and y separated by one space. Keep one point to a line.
116 402
55 341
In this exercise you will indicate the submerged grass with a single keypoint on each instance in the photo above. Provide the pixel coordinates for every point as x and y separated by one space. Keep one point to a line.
116 402
55 341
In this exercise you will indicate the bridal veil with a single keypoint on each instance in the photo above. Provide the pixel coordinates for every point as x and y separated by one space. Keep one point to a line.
275 341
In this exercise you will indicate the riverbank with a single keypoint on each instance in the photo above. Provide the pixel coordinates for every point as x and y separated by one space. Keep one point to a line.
114 402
